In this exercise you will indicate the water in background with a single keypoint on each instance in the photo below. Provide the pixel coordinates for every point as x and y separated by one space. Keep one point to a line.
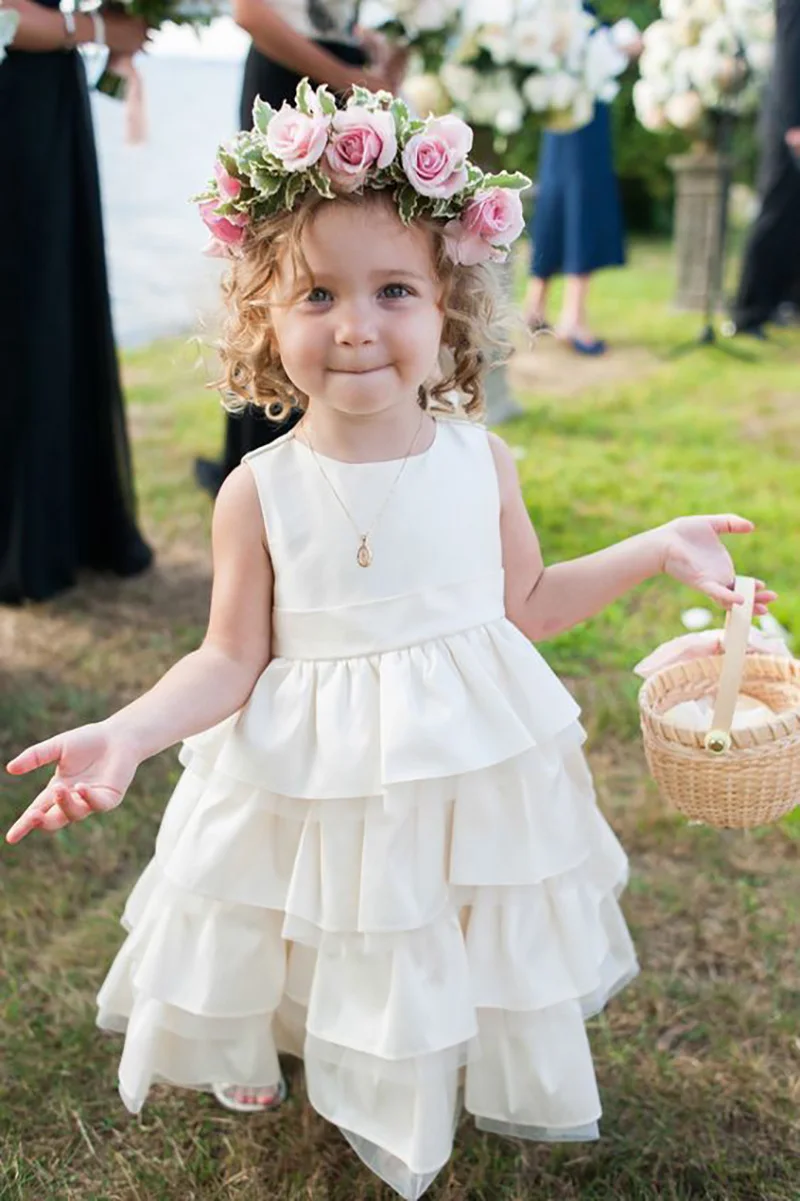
160 282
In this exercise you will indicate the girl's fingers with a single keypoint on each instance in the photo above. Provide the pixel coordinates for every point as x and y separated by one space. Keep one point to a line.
730 523
722 595
99 800
36 756
71 804
32 818
53 809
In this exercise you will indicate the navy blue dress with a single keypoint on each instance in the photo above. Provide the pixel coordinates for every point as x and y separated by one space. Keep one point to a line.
577 221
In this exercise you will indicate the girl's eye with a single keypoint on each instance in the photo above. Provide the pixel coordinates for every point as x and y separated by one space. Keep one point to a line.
396 291
319 296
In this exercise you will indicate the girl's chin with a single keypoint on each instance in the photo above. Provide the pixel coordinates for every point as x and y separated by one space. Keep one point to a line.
372 392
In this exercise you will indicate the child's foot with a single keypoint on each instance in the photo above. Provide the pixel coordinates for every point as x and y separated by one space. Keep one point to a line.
249 1098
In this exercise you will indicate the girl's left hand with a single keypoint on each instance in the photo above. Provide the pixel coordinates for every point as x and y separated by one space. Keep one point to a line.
694 555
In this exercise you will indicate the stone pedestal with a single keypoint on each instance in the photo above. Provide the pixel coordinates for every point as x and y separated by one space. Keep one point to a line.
501 404
703 181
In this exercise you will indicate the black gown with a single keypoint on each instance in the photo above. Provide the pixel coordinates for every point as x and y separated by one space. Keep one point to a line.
66 489
771 264
272 83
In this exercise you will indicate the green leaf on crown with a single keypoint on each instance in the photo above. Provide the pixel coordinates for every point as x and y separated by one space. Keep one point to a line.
401 115
262 114
295 185
444 207
266 182
359 95
507 179
250 158
327 100
271 162
228 161
408 201
321 182
303 97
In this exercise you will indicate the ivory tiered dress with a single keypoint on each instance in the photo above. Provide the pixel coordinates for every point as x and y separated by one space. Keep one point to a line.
390 861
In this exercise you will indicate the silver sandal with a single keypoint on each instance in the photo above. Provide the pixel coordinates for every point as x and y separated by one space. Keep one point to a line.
221 1092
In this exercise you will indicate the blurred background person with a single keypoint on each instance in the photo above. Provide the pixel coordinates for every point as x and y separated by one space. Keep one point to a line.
771 266
292 39
66 489
577 225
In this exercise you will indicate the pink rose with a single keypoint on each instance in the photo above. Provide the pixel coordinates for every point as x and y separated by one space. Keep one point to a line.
229 229
434 160
296 139
495 215
490 223
360 140
229 186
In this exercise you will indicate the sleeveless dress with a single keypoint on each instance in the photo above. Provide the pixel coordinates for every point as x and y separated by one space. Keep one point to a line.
66 479
389 861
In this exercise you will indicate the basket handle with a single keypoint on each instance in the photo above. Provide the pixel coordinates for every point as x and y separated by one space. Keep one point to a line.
737 636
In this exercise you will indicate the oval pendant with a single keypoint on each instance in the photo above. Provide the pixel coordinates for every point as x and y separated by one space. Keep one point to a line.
364 556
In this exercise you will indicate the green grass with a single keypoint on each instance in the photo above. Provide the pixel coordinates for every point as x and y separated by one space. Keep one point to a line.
698 1060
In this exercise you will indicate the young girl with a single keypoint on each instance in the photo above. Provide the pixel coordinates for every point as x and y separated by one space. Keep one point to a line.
384 854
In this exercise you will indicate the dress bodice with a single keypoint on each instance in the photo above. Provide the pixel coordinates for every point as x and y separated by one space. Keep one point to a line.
437 558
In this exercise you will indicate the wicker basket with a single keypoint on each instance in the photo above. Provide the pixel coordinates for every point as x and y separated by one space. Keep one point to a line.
727 778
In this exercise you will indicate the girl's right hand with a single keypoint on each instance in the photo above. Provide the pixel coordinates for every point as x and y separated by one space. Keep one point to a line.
93 773
125 35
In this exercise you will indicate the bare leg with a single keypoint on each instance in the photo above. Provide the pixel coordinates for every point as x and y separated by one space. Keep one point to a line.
535 304
574 321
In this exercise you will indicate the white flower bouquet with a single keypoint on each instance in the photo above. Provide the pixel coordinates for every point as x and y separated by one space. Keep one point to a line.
544 60
425 27
9 20
703 57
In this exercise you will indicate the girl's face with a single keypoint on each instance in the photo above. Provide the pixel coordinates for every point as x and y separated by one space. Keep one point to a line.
364 333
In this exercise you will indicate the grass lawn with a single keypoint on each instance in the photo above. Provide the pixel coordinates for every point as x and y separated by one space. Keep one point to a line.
699 1060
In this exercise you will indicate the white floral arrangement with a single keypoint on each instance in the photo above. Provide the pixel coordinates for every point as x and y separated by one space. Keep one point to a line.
9 20
374 142
703 57
426 27
548 59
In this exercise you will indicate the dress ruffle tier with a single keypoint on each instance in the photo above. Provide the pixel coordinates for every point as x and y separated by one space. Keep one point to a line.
419 899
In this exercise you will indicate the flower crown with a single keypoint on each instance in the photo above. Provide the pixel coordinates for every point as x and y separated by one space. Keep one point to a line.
374 142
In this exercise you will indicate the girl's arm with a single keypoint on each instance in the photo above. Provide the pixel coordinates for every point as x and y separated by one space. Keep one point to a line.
215 680
276 39
95 764
42 30
542 601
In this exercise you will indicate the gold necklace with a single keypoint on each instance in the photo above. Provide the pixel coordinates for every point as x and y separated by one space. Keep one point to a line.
364 552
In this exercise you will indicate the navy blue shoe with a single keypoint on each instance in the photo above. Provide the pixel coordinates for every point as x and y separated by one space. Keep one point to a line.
590 348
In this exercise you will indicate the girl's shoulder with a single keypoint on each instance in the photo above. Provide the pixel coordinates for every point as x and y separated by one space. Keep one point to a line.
461 427
270 447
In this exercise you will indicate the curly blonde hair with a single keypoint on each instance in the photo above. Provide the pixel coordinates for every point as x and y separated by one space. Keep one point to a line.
472 305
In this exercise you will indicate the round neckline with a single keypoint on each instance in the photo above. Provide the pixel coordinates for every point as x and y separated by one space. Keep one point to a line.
372 462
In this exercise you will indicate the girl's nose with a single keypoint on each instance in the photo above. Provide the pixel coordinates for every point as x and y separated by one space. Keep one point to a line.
356 326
